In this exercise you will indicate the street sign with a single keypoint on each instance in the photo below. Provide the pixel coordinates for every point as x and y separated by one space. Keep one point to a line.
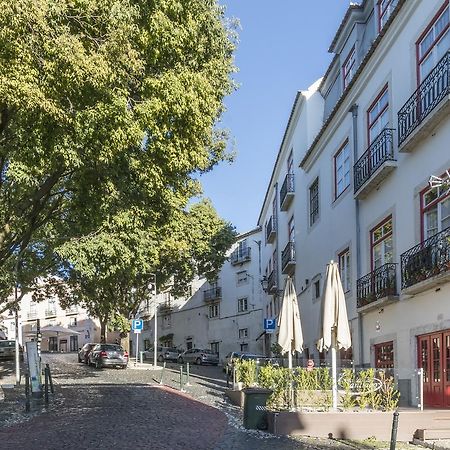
137 325
269 325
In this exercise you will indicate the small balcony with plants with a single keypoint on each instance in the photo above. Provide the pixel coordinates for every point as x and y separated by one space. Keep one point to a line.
240 256
50 313
426 107
166 307
287 192
375 164
427 264
271 229
288 259
378 288
213 294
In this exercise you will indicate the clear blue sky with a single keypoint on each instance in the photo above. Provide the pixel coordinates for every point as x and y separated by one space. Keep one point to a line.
283 48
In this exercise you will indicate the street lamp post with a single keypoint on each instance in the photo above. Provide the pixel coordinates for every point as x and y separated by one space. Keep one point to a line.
152 289
16 320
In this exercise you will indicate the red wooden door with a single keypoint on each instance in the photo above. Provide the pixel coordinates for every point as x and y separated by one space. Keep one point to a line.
436 379
446 374
424 363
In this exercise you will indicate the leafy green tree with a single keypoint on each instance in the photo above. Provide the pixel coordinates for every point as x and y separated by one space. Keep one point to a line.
108 114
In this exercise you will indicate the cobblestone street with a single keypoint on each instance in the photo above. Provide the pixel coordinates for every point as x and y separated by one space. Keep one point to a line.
128 409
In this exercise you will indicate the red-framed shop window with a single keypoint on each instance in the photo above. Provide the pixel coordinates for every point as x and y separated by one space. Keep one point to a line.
384 355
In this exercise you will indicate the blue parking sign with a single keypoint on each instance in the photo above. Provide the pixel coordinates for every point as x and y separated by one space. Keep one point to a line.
269 325
137 325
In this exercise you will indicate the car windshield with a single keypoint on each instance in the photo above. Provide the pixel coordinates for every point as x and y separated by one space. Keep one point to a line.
209 352
251 356
7 343
114 348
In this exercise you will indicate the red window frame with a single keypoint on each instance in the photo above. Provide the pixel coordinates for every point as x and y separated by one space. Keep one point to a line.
424 209
381 12
341 148
419 59
373 243
373 104
345 71
384 355
340 255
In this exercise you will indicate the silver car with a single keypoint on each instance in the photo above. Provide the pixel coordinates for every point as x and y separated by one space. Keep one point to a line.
199 356
163 354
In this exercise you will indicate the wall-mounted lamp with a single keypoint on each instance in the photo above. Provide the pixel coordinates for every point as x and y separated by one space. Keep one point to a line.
265 283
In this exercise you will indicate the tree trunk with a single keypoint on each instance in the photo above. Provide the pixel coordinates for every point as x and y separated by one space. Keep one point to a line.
102 331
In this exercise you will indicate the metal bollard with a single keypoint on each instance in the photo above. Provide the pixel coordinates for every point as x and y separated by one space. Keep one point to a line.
52 390
162 373
46 385
27 392
181 378
228 376
394 431
187 375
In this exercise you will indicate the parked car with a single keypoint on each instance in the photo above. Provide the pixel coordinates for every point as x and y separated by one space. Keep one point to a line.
108 355
83 352
163 354
260 360
8 350
229 360
199 356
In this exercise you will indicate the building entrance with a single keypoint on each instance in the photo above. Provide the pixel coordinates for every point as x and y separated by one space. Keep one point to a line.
434 358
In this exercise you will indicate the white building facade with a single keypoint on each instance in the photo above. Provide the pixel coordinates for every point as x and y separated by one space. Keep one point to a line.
362 196
223 316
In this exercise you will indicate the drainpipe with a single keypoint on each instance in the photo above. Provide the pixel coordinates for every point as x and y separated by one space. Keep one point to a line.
354 111
277 241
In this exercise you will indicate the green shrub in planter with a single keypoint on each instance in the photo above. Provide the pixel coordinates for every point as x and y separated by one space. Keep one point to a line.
246 372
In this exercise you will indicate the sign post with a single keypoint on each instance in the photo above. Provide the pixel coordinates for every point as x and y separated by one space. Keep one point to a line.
137 325
34 368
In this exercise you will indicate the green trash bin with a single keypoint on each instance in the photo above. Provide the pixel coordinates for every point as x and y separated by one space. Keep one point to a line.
255 411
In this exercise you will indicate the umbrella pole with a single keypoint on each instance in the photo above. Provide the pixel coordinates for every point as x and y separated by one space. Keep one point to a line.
333 369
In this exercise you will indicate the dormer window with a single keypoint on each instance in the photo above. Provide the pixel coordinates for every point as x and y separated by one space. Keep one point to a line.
348 69
385 8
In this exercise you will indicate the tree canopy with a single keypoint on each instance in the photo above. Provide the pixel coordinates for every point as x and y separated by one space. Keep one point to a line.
108 113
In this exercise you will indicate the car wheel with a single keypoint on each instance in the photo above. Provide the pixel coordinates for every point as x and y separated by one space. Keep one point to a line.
198 361
160 358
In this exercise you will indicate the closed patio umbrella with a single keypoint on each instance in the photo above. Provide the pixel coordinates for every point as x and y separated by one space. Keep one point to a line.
334 329
290 336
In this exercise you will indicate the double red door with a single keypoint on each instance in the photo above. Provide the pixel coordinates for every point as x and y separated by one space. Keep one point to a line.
434 358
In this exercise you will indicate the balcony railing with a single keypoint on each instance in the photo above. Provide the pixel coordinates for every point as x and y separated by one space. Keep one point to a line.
380 151
430 93
378 284
288 258
72 310
240 255
166 307
271 227
50 312
427 259
32 315
287 192
272 282
212 294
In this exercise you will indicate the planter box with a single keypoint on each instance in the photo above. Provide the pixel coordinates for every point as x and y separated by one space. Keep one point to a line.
355 425
236 397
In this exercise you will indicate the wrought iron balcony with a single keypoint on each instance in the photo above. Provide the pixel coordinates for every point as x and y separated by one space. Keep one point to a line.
287 192
430 99
375 164
378 287
240 255
32 315
272 282
50 313
271 229
212 294
165 308
72 310
426 264
288 259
